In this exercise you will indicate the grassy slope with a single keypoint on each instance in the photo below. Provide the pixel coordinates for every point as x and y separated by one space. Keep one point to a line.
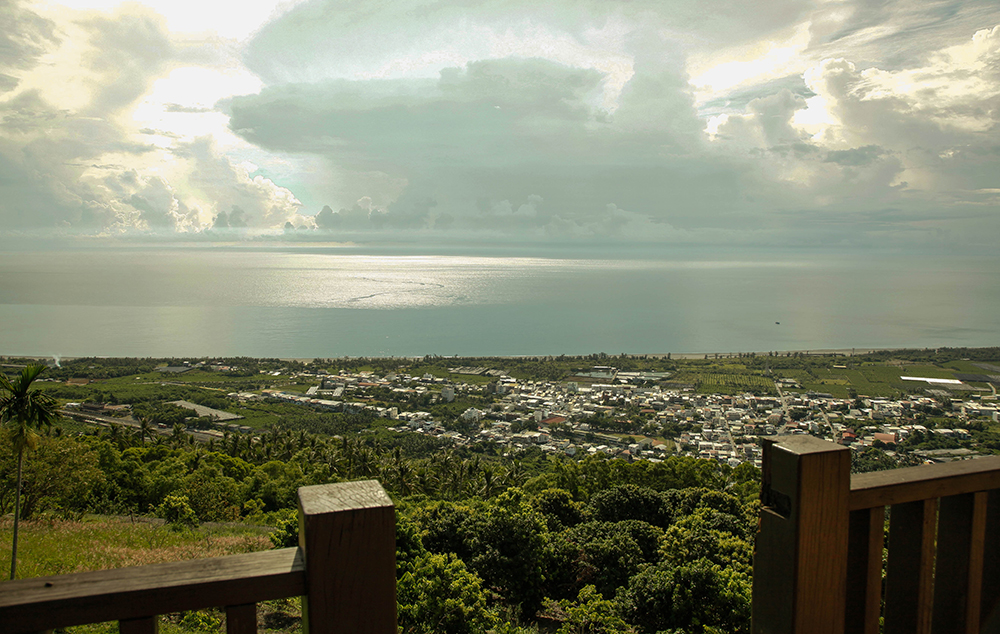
49 547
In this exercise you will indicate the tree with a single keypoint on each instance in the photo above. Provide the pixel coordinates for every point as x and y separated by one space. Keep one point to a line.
692 597
145 428
591 614
177 511
22 410
441 595
505 542
60 477
601 554
630 502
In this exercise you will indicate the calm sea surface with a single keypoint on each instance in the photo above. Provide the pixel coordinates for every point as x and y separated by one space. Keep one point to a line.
205 302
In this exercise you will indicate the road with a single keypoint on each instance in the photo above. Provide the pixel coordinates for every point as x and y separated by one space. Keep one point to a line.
87 417
784 410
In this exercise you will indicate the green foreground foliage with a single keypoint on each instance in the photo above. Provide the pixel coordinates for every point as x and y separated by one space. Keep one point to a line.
489 539
483 542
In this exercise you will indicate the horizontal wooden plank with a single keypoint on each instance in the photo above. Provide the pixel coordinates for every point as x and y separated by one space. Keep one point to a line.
899 486
42 603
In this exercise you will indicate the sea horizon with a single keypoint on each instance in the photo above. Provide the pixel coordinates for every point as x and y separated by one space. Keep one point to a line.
316 303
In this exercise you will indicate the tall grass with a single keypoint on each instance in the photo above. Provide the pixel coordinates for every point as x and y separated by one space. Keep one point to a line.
57 546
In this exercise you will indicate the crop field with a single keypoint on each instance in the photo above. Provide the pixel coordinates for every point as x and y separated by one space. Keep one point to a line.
728 383
838 376
798 375
872 379
748 381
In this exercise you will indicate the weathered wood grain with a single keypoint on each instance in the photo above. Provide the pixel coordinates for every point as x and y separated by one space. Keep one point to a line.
241 619
912 484
909 584
977 548
864 571
29 605
952 568
348 534
800 558
989 614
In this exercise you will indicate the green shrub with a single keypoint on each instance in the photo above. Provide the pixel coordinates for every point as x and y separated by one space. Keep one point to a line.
442 595
286 533
177 511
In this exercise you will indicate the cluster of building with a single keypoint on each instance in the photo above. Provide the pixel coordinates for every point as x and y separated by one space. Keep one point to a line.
634 416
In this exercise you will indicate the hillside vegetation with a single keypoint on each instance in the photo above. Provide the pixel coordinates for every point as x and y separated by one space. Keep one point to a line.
490 537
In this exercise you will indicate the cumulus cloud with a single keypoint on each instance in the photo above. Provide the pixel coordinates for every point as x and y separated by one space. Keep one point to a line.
74 159
214 178
340 39
767 122
464 111
24 37
646 121
498 130
127 52
864 143
234 219
939 118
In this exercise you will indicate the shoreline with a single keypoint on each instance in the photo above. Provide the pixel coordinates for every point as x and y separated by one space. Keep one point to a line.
812 352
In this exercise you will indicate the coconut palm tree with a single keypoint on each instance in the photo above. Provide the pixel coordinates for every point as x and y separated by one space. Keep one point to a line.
22 410
145 428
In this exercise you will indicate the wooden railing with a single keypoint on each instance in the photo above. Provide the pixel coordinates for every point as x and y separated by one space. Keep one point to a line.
344 568
818 559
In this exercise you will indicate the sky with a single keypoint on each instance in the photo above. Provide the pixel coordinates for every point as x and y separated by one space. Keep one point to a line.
725 123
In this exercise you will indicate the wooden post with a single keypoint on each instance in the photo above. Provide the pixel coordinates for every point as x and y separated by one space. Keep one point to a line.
956 587
909 574
864 571
348 533
989 619
800 553
144 625
241 619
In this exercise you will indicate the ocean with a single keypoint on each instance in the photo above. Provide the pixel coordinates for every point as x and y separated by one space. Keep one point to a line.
328 302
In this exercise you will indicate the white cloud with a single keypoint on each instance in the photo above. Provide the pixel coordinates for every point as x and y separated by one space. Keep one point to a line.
549 120
228 18
718 72
919 137
494 131
768 122
111 129
181 105
218 184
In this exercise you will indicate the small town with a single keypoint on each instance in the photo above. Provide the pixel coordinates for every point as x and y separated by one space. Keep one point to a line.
620 414
554 416
548 491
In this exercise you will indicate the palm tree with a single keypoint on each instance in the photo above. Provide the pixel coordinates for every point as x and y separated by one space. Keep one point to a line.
145 428
115 435
23 409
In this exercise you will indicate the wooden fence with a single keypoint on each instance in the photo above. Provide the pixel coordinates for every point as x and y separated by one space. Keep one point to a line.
818 559
344 568
818 562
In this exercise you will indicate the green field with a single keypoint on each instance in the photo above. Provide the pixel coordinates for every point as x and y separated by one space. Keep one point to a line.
860 377
747 382
875 375
869 378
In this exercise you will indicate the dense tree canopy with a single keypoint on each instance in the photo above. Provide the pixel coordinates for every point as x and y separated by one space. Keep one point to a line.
483 541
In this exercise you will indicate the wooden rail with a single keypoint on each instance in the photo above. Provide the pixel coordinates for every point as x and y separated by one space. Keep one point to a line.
818 560
344 568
